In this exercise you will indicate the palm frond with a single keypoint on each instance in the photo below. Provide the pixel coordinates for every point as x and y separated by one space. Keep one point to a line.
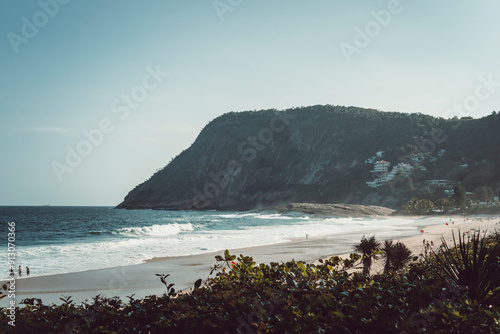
368 247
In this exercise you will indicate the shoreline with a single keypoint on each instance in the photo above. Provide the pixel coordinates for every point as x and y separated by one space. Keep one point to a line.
140 279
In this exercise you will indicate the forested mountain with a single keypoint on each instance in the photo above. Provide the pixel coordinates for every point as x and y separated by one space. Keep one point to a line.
322 154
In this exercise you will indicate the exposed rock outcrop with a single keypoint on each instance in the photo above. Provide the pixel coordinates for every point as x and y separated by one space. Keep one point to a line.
335 210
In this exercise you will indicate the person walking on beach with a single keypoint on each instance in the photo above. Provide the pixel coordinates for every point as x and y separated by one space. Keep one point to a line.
20 271
27 271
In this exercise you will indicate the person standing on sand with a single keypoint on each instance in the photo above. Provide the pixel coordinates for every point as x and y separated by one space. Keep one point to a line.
20 271
27 271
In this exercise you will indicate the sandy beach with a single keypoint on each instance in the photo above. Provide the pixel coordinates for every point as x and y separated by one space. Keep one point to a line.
140 280
449 225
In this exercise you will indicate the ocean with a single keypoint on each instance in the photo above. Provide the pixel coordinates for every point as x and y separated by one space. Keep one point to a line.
55 240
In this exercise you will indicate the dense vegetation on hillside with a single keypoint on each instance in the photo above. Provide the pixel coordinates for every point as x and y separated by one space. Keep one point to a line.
317 154
453 291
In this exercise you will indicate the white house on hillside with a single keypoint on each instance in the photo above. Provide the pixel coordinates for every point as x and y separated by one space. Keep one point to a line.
381 166
440 183
381 169
377 156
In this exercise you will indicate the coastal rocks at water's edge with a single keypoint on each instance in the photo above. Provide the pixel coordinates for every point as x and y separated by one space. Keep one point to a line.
335 210
260 159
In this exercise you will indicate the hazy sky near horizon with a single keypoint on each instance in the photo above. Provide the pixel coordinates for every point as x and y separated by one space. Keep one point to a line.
150 74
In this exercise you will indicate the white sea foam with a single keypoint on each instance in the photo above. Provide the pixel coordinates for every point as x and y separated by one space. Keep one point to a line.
262 215
154 230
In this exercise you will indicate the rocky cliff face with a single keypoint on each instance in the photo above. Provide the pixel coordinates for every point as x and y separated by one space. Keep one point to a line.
256 159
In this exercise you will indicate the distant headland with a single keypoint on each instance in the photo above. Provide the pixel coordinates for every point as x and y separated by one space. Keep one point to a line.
327 154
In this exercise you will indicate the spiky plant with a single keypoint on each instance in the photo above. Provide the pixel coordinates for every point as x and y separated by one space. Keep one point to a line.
473 264
368 249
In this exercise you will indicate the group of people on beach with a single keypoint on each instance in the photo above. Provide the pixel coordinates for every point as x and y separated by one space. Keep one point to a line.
427 245
20 271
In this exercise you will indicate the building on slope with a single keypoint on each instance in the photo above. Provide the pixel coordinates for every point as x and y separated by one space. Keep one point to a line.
383 175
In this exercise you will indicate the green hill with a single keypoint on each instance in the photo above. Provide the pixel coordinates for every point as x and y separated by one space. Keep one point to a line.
322 154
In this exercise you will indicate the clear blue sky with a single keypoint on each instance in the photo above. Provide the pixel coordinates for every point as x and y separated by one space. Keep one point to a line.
79 65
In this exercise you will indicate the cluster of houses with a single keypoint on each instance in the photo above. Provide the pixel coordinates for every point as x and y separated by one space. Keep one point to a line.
383 174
